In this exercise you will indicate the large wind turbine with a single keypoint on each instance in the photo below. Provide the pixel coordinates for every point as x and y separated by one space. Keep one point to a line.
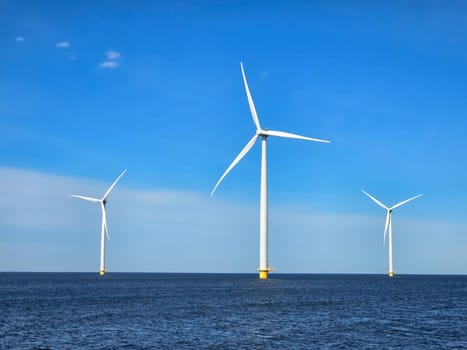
388 225
264 267
104 231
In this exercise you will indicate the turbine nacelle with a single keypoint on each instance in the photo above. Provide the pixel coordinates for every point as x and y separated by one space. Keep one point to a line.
102 201
389 210
260 132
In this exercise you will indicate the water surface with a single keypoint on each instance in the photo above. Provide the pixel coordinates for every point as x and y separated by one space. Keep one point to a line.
231 311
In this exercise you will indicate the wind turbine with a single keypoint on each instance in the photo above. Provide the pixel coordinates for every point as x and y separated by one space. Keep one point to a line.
103 202
264 267
388 225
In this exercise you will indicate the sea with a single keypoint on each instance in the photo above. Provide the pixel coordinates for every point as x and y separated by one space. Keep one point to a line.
231 311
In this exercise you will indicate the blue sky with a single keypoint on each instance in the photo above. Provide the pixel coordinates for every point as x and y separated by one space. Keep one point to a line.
88 89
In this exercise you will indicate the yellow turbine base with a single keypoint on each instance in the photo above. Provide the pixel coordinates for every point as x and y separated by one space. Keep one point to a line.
263 275
102 272
391 273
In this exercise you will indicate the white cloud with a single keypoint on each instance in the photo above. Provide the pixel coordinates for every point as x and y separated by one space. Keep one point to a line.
113 55
43 229
62 44
109 64
112 60
19 39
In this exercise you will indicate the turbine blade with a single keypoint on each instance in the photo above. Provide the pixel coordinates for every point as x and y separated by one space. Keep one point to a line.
375 200
288 135
242 153
250 100
90 199
386 226
113 185
104 220
406 201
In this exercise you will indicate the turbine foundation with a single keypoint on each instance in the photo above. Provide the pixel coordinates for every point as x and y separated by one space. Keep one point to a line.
102 272
263 273
391 273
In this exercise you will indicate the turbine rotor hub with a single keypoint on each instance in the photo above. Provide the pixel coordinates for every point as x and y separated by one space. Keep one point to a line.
261 133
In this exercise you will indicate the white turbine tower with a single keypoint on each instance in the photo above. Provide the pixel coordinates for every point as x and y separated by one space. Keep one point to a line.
264 266
104 231
388 225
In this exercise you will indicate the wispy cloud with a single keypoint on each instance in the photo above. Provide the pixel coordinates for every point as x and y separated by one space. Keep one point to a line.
72 56
113 55
174 230
109 64
19 39
62 44
112 60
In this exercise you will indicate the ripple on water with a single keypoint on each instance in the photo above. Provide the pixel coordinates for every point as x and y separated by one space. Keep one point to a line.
186 311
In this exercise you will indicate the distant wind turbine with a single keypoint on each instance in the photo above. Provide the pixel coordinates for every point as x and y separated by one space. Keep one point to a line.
264 267
388 225
104 232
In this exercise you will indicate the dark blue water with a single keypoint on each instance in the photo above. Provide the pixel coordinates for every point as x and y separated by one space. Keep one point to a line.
229 311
